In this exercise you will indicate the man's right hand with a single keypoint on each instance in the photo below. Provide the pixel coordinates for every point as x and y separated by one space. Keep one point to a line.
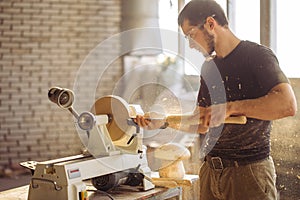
151 120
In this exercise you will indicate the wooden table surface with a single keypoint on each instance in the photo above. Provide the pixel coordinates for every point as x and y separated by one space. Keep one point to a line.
121 193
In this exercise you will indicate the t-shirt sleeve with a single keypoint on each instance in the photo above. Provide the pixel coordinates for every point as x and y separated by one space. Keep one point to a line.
266 69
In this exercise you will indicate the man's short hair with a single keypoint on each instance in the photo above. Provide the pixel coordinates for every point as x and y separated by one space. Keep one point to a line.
196 11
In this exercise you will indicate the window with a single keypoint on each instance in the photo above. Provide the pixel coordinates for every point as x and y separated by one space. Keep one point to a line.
288 36
246 16
168 13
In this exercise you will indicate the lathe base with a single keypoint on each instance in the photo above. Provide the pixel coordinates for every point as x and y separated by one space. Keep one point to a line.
64 178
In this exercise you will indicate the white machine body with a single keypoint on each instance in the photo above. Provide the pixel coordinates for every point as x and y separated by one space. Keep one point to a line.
67 178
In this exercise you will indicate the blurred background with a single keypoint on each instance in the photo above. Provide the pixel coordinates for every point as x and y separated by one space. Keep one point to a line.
130 48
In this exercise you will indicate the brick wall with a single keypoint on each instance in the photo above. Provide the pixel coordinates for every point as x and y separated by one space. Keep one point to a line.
42 44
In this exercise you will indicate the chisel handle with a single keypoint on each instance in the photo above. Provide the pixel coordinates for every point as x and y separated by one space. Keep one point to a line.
178 119
236 120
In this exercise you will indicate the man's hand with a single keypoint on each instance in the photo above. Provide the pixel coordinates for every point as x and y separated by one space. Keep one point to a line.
218 113
212 116
151 120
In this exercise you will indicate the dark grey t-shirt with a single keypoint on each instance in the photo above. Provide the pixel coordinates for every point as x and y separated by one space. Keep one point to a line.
248 72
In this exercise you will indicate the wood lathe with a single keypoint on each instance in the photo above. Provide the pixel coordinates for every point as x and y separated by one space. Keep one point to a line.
115 153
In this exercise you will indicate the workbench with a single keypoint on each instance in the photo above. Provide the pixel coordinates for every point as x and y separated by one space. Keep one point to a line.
121 193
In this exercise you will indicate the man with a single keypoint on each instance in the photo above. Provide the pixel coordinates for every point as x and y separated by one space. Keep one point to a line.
238 78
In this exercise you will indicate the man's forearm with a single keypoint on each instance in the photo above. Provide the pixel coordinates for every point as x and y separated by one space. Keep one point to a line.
280 102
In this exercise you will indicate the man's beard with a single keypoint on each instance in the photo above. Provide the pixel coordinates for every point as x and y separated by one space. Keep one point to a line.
210 40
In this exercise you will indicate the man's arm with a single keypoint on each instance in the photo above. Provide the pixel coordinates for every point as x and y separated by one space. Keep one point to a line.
280 102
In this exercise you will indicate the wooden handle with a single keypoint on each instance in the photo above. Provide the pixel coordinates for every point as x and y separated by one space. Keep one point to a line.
177 119
236 120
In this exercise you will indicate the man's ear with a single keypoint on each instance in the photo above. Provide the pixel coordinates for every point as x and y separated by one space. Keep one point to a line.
211 23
